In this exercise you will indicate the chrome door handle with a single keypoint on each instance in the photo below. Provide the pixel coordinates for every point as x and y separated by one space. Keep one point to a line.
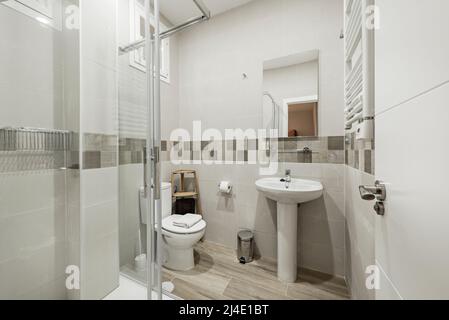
379 207
378 191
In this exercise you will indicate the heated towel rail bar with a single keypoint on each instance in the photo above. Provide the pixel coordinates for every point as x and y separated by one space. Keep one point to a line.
359 57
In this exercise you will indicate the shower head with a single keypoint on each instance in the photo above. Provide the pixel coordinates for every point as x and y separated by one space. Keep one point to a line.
267 94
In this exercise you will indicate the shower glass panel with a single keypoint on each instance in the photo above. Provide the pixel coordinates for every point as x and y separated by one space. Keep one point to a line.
80 143
39 150
144 44
139 144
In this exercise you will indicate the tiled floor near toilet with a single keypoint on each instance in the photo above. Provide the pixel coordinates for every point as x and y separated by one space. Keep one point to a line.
219 276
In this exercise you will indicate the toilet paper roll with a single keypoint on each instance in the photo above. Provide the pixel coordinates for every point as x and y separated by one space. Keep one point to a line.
225 187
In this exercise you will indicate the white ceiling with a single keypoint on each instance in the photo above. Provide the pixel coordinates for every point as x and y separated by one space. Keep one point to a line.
179 11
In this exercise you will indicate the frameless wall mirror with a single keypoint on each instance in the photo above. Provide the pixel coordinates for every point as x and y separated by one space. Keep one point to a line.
290 95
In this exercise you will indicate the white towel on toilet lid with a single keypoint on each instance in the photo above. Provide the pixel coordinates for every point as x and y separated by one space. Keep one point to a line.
187 221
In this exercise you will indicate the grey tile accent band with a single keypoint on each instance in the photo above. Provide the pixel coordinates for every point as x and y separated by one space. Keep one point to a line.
131 150
22 151
359 154
104 151
99 151
336 143
91 159
323 150
34 139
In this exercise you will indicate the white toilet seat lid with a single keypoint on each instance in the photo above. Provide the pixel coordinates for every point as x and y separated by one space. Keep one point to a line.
167 224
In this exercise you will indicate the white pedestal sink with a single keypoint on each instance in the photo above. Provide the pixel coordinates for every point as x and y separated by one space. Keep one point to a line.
287 198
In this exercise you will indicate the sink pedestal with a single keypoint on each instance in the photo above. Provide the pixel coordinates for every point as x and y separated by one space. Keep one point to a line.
287 229
288 196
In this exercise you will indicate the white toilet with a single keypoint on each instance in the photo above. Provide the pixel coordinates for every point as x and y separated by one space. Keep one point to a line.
178 242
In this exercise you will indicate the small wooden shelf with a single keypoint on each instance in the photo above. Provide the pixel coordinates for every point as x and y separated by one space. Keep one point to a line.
185 194
184 172
182 193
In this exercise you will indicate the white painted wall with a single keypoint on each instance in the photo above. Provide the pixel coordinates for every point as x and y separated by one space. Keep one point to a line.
412 90
214 55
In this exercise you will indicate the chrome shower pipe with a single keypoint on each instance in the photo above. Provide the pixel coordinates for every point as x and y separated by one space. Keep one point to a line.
276 107
182 26
169 32
200 4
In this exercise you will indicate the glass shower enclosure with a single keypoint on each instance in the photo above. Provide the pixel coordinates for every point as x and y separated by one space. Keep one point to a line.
39 150
147 49
59 148
69 133
145 53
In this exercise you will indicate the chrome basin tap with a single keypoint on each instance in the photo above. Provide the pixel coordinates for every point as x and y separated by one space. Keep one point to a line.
288 178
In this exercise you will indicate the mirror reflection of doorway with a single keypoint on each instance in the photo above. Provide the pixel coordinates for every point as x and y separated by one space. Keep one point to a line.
291 94
303 119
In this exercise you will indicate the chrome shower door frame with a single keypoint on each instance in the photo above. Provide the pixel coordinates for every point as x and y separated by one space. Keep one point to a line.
153 146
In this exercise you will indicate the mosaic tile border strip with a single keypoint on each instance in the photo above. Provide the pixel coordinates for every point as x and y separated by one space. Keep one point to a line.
39 152
360 154
322 150
34 139
99 151
105 151
131 150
